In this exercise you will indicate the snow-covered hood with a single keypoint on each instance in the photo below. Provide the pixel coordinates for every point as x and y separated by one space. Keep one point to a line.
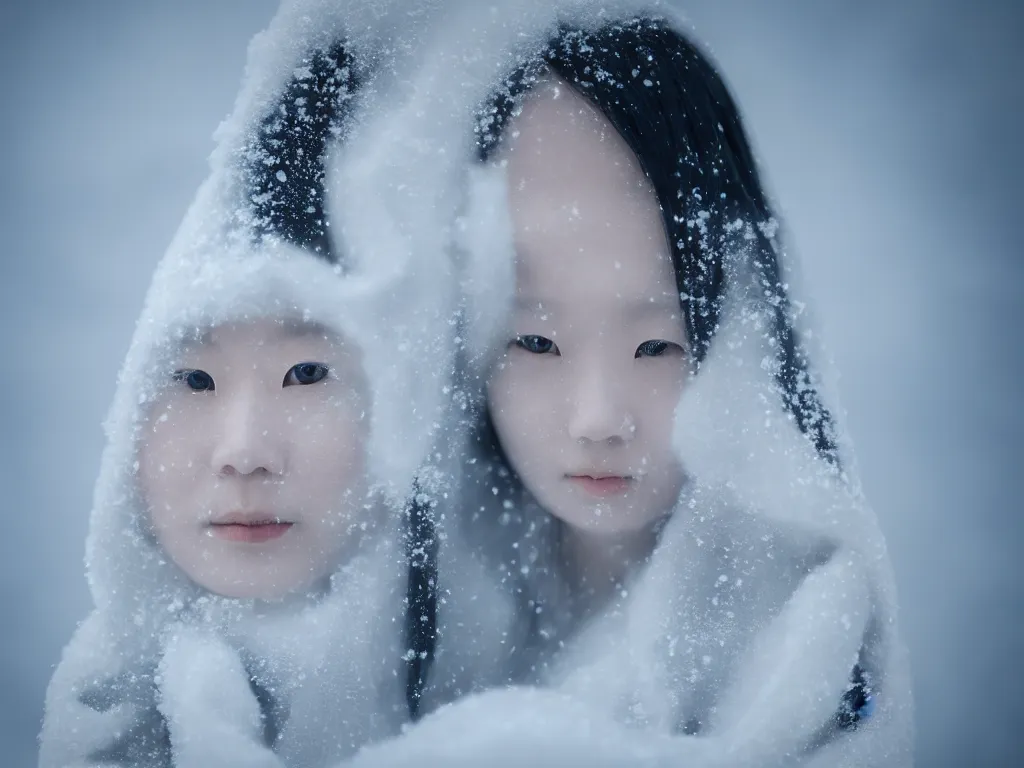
395 302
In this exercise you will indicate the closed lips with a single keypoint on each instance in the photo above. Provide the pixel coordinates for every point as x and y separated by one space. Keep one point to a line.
247 518
252 529
601 484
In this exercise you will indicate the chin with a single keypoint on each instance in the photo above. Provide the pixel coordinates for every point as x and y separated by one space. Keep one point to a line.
251 589
611 521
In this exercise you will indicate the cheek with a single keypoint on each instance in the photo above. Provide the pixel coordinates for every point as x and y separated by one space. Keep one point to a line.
522 402
170 445
329 440
656 416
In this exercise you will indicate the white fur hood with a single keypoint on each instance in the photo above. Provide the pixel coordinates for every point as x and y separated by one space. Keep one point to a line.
158 653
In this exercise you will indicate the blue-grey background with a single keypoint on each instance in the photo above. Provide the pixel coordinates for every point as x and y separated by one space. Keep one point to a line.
889 131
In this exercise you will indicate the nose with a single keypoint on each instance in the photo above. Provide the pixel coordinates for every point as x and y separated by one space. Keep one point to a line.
247 443
599 411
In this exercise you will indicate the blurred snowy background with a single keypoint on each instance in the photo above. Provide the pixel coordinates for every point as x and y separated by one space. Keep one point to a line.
889 131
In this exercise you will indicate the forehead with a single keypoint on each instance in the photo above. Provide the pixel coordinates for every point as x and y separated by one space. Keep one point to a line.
263 333
587 221
557 131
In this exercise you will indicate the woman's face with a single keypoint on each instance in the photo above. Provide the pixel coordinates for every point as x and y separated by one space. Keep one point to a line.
583 396
252 459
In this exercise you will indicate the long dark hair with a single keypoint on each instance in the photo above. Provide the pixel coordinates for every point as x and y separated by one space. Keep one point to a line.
284 170
284 159
670 105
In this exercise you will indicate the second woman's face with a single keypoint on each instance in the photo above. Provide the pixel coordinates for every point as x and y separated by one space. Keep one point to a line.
583 395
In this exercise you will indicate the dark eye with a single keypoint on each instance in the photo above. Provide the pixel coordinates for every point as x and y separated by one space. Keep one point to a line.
197 381
538 345
654 348
305 373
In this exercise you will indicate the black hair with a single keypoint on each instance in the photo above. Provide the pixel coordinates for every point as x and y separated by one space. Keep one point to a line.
285 158
675 112
284 166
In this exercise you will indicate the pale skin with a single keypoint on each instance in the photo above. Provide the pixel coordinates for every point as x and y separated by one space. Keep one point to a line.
251 463
583 395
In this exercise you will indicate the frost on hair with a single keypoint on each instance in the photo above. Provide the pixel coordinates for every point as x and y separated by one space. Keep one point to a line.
284 160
